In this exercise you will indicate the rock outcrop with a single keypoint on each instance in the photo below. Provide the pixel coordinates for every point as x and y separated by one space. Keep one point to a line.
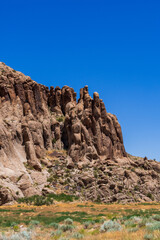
39 125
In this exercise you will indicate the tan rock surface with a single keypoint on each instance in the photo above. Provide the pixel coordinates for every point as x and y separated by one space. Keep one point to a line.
45 133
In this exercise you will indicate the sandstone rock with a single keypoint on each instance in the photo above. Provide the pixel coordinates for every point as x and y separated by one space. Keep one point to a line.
47 132
5 196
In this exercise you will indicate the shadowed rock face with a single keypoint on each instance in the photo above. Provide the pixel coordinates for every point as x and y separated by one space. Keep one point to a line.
35 120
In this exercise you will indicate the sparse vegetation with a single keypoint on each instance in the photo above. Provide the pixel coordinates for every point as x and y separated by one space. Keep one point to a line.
78 235
64 221
148 236
54 225
48 199
60 118
53 141
110 226
68 221
149 195
37 200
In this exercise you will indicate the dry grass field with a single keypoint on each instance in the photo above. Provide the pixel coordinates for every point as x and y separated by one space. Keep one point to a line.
85 220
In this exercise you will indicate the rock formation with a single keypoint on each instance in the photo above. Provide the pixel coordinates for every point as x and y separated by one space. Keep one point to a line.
40 127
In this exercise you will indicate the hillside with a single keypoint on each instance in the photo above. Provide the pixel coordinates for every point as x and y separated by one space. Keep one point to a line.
51 143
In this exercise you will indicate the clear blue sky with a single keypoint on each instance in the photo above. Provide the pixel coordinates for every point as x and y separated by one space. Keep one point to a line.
111 46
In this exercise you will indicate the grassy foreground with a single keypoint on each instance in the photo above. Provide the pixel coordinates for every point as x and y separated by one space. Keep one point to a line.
76 220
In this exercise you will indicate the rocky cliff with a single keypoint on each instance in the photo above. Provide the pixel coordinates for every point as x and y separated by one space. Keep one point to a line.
51 142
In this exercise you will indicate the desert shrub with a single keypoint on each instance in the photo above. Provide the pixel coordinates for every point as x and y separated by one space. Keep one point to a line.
133 221
153 226
148 236
149 195
63 197
26 235
102 220
34 222
50 179
18 236
110 226
66 227
77 235
95 232
48 199
13 224
58 232
15 237
68 221
53 141
52 233
130 223
87 224
143 222
3 237
54 225
135 229
136 219
156 217
60 119
16 228
37 200
82 231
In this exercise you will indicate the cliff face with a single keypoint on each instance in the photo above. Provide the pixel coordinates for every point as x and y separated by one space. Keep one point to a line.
36 121
38 118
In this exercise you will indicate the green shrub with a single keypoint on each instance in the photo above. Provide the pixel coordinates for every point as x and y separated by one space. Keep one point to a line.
88 223
60 119
58 232
102 220
156 217
24 235
135 229
16 228
13 224
48 199
78 235
148 236
130 223
63 197
37 200
53 141
54 225
67 227
34 222
110 226
149 195
52 233
136 219
143 222
153 226
68 221
50 179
